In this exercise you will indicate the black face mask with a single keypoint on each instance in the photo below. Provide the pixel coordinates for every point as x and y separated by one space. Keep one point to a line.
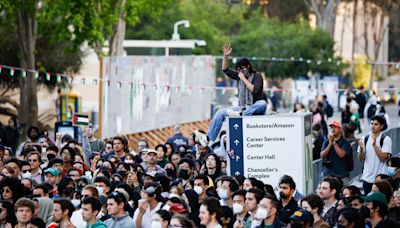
68 191
170 172
365 212
122 173
50 156
184 174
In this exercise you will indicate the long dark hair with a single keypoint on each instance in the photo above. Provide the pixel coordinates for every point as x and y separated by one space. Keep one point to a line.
9 207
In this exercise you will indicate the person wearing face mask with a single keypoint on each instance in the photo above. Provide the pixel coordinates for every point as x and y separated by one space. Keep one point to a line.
239 209
394 171
225 191
160 219
149 205
253 198
250 88
378 205
185 172
103 185
289 205
350 218
267 212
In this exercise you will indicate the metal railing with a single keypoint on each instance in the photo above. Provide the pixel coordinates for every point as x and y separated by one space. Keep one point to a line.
393 133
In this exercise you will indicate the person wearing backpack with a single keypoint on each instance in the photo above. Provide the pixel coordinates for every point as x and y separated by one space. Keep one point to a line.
374 149
371 109
335 150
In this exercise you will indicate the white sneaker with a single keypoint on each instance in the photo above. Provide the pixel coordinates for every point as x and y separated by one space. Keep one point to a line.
201 138
232 113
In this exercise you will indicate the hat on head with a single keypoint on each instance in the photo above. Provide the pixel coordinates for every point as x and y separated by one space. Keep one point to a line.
335 123
52 171
375 196
177 208
302 215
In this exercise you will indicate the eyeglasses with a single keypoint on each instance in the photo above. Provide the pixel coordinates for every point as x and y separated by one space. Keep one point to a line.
25 171
176 226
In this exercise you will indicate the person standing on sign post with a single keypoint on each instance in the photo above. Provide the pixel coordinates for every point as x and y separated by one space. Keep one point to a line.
250 87
334 152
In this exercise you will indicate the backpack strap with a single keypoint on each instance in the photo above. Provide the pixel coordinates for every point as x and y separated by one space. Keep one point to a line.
382 139
365 140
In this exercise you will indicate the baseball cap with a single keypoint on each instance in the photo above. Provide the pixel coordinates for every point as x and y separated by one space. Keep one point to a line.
335 123
302 215
151 151
375 196
52 171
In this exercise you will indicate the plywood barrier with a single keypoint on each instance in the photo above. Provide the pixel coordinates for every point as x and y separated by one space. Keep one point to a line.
160 136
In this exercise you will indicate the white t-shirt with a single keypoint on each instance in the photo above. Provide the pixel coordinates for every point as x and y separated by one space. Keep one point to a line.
146 220
372 164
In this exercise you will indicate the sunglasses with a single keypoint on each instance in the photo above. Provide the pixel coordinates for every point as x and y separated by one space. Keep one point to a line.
25 171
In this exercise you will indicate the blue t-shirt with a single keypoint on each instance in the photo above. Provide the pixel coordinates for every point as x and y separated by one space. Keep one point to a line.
339 165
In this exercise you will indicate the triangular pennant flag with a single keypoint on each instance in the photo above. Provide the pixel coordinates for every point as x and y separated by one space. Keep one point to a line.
23 73
36 74
58 78
48 76
12 71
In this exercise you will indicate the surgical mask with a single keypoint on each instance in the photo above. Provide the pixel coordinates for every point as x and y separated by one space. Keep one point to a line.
100 190
129 161
156 224
76 202
166 207
223 194
165 195
173 195
237 208
198 190
27 175
391 171
261 213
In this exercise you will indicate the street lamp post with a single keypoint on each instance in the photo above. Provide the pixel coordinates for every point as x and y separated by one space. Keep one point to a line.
175 35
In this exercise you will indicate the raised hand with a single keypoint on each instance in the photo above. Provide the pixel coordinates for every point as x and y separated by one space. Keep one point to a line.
227 49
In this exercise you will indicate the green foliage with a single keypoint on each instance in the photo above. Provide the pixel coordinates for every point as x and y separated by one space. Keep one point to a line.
218 23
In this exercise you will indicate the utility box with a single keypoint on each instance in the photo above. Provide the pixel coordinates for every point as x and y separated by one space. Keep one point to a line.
268 147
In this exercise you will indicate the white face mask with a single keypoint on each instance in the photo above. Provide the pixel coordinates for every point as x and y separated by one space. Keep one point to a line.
27 175
237 208
173 195
156 224
166 207
198 190
165 195
261 213
223 194
100 190
76 202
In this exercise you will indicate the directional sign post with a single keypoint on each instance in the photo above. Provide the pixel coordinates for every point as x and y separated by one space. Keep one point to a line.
268 147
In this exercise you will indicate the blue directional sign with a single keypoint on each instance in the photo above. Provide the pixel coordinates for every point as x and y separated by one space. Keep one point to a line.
236 144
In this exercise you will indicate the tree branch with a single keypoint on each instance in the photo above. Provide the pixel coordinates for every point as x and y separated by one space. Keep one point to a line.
8 112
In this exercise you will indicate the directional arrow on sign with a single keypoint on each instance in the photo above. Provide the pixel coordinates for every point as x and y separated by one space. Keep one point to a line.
237 173
236 142
237 158
236 126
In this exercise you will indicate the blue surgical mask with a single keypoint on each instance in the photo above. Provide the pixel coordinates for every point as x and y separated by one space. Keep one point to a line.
391 171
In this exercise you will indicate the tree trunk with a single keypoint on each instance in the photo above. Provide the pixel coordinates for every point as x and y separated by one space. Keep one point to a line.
27 31
355 37
117 39
325 12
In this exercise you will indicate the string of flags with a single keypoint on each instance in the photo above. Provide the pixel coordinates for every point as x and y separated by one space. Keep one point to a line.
311 61
14 71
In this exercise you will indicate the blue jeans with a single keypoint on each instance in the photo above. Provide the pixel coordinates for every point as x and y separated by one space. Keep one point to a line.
257 108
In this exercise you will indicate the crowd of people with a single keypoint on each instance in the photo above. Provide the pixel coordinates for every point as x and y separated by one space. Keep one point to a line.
94 183
183 183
